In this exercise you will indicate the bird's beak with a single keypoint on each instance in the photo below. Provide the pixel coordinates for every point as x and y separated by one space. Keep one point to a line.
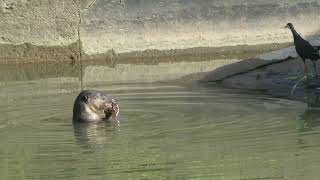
286 26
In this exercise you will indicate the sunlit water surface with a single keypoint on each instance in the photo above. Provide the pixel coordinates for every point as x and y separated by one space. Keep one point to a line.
165 132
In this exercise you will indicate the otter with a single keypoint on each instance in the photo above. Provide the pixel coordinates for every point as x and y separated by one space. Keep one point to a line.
94 106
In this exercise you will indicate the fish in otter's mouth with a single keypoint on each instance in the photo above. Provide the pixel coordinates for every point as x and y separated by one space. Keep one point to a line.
112 111
94 106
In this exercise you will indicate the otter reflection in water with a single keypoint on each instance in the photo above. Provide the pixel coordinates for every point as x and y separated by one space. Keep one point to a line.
91 135
94 106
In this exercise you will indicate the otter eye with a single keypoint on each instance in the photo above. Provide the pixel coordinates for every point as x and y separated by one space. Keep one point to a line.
85 98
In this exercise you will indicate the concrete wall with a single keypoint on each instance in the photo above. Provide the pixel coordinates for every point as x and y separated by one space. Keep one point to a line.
129 25
47 30
37 22
136 25
39 29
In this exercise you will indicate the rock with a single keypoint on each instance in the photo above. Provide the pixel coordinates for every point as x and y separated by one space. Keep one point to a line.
237 68
273 76
277 77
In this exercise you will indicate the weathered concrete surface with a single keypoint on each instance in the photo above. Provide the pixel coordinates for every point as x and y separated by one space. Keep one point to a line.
28 53
137 25
37 31
43 23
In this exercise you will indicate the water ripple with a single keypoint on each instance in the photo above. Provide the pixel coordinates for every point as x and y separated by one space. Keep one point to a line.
164 132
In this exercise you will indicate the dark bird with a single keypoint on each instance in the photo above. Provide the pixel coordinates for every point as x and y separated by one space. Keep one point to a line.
304 49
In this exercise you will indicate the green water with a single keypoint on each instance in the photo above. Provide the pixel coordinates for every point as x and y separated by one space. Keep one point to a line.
165 132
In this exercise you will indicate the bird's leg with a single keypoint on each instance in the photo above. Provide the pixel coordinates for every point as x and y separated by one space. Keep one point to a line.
305 66
315 68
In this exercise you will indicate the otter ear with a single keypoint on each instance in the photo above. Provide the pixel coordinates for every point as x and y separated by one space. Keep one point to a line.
85 98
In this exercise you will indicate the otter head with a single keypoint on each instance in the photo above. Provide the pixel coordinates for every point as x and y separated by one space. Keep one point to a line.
94 106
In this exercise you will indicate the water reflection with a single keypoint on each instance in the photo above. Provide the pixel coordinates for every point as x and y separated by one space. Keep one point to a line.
167 132
89 135
312 97
311 117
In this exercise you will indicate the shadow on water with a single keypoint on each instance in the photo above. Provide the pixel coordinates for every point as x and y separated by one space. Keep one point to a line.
89 135
311 117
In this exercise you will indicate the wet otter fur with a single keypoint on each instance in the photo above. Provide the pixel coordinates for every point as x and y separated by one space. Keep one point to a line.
94 106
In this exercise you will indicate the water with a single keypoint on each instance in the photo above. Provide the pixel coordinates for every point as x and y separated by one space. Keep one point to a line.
165 132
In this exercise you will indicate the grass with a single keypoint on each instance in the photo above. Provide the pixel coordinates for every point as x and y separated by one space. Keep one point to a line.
305 79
